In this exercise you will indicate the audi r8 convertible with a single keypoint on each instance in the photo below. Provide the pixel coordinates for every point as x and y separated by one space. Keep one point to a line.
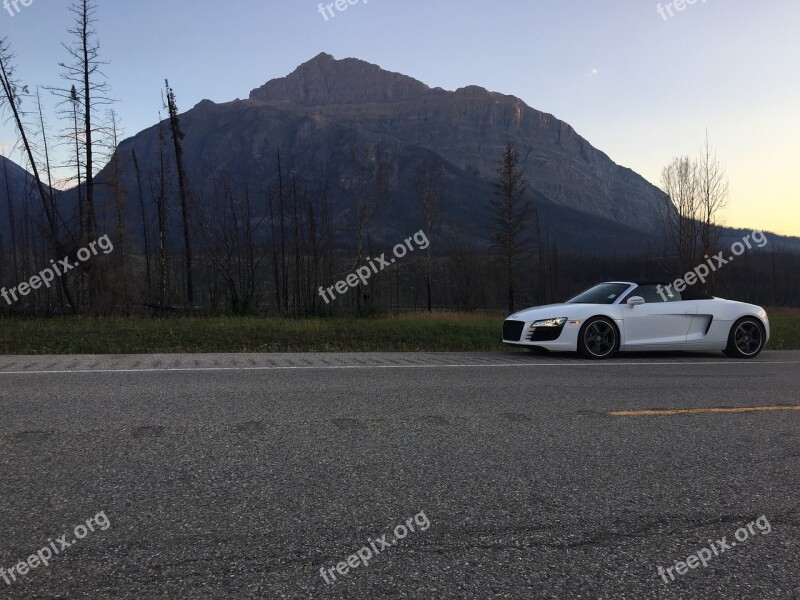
640 316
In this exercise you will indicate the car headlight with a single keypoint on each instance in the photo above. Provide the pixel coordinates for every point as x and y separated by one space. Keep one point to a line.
551 322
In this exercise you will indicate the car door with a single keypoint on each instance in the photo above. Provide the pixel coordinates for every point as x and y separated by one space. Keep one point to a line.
656 322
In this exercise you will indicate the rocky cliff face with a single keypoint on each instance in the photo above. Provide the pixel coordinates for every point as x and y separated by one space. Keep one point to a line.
327 110
468 128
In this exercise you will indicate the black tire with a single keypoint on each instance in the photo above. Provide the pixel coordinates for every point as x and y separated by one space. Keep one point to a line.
598 339
746 338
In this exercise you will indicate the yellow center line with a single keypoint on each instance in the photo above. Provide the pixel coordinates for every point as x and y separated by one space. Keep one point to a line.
692 411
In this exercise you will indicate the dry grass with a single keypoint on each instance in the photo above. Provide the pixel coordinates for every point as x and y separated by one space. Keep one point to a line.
408 332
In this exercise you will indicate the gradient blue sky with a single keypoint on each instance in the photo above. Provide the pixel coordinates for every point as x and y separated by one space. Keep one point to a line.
638 87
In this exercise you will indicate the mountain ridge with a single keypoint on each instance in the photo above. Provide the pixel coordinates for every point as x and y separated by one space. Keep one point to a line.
328 110
324 80
344 89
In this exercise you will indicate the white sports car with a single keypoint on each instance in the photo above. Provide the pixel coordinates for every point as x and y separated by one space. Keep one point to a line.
640 316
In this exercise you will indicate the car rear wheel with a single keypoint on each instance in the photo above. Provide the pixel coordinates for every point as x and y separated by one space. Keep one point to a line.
746 338
598 338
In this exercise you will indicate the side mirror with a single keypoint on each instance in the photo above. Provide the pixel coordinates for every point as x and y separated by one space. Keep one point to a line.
635 301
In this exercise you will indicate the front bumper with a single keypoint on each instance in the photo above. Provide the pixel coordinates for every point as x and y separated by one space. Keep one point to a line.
522 333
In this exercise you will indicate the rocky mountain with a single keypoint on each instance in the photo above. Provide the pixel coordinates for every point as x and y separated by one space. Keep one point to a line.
329 110
466 129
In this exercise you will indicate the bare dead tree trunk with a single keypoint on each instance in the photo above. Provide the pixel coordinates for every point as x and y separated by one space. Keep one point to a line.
10 93
275 267
713 197
327 236
145 237
11 222
284 265
296 239
679 180
161 203
89 89
510 214
370 178
541 254
251 266
48 170
429 197
313 270
82 280
177 136
88 132
119 201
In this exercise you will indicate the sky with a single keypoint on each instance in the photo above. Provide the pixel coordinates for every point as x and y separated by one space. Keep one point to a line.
640 80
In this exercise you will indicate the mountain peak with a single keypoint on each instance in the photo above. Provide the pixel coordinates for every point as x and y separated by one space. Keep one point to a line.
322 56
326 80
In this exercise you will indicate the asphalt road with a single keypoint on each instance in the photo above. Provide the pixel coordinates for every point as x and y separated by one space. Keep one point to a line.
241 476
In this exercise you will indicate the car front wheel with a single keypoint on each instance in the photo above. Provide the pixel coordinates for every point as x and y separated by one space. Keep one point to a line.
746 338
598 338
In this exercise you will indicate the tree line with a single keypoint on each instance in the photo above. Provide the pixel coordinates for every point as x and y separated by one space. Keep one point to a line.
248 250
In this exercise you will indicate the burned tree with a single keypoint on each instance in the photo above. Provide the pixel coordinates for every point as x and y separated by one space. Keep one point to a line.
510 215
177 137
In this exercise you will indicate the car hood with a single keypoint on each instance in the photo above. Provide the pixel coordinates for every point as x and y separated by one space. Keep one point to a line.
548 311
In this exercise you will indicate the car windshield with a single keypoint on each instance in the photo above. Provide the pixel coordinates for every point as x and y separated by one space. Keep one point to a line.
604 293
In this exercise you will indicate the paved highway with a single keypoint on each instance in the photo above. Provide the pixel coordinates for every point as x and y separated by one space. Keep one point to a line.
252 476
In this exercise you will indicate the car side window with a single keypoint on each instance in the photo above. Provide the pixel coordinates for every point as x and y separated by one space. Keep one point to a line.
653 294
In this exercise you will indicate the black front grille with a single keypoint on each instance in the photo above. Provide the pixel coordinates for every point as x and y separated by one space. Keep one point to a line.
544 334
512 330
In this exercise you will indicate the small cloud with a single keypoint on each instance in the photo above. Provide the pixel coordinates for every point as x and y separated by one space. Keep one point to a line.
594 72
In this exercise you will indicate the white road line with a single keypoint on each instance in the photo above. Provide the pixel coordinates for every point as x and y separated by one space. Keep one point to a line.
341 367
